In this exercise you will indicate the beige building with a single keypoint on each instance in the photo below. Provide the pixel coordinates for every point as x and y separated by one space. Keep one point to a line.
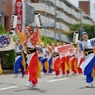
66 14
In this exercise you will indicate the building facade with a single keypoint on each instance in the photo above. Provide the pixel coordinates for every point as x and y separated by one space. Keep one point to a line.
85 6
56 16
6 9
63 12
92 11
88 6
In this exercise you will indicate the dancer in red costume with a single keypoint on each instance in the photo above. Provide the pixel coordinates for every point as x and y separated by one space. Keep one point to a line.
32 57
56 60
29 43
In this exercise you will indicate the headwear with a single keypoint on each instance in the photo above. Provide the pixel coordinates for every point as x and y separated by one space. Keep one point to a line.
84 33
29 28
42 44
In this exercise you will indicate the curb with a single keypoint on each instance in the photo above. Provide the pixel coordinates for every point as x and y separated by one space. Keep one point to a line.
8 71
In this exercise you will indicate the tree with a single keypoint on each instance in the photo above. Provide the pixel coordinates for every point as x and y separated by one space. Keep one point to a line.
47 40
90 29
2 30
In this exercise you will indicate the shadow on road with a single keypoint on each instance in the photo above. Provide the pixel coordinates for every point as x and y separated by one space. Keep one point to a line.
87 88
7 84
32 89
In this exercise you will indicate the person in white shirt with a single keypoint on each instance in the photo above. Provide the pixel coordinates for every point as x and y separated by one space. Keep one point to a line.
18 58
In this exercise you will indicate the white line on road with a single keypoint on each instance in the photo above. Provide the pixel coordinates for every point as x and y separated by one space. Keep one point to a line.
81 75
8 87
57 80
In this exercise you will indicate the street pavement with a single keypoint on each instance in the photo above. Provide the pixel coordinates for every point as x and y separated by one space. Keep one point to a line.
71 85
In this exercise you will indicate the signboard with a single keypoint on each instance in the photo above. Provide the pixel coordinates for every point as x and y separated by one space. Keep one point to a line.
19 12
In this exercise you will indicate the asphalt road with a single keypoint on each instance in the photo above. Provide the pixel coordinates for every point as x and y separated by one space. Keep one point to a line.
71 85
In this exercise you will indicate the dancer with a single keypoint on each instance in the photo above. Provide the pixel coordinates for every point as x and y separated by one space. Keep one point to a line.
89 60
55 60
31 40
18 59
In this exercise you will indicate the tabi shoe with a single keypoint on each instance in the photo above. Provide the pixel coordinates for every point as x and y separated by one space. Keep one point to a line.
30 85
22 76
16 76
63 76
27 85
34 85
57 77
89 85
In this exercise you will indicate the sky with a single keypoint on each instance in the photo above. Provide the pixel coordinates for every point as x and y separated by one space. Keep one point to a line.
75 2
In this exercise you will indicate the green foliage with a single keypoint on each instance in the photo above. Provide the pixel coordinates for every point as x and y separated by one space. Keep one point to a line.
14 38
47 40
74 27
2 30
10 58
7 57
90 29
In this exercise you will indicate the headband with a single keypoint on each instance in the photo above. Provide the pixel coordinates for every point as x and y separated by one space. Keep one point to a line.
29 28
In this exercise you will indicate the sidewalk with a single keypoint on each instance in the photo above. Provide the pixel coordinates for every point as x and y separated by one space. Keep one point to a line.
8 71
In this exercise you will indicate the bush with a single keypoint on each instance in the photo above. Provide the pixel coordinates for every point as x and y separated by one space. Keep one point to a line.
47 40
7 59
2 30
10 58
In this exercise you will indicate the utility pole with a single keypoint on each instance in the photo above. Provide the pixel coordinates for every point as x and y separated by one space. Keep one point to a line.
55 21
45 15
2 12
60 34
80 24
81 28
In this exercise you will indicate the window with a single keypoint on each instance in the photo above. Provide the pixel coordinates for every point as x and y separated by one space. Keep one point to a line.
35 1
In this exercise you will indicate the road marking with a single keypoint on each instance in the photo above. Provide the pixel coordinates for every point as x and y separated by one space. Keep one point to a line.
8 87
57 80
81 75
